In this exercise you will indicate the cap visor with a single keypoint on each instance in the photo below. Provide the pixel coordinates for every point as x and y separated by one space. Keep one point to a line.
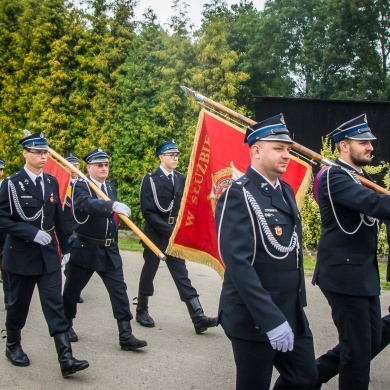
366 136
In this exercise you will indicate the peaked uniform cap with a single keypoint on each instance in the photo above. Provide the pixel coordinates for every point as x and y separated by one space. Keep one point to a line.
35 141
271 129
356 128
167 147
1 163
96 156
72 158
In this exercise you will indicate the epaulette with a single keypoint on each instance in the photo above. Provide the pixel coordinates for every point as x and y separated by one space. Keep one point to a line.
151 173
179 172
240 182
49 174
10 177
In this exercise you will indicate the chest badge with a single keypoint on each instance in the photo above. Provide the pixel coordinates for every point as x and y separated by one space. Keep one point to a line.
51 198
278 230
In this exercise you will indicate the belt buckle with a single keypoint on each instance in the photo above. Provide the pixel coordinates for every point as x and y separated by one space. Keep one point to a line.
108 242
171 220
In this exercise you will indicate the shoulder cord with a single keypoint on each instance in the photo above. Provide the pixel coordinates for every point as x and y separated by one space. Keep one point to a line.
220 225
263 227
156 199
12 194
356 180
74 215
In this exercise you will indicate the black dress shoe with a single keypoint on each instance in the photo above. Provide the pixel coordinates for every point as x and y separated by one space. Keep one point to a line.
143 318
16 355
73 338
132 343
81 300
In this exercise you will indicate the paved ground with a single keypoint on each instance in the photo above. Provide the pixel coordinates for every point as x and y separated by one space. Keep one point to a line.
176 357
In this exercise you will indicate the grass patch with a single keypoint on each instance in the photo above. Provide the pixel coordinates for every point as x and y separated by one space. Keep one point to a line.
130 244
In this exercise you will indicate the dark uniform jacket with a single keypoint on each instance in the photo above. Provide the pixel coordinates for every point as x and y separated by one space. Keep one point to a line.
259 292
347 263
21 254
159 224
95 219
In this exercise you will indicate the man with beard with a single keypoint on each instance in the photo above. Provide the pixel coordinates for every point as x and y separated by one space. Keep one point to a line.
347 267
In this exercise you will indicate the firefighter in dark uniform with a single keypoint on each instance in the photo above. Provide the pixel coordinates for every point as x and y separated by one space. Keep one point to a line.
263 293
3 273
68 214
347 266
160 195
32 217
95 248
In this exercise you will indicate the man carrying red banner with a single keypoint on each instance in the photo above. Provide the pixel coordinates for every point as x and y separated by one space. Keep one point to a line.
32 218
95 249
263 294
161 194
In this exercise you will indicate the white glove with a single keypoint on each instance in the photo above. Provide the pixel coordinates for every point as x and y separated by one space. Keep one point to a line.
121 208
282 337
65 259
42 238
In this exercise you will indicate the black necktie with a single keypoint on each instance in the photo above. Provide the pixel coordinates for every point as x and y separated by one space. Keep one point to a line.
170 177
39 185
104 189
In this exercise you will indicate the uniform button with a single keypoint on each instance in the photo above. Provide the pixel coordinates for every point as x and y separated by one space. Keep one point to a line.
347 259
300 290
256 327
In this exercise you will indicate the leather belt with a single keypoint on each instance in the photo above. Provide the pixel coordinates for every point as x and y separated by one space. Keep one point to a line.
94 241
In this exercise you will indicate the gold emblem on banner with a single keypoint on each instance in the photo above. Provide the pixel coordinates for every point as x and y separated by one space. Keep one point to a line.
278 230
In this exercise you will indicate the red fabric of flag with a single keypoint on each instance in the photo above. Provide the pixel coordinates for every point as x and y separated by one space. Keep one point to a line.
218 157
61 174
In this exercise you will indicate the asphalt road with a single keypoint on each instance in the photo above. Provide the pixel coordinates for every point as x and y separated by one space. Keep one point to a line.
176 358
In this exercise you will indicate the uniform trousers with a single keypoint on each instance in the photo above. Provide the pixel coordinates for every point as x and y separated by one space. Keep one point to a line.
78 277
21 291
177 268
359 324
255 361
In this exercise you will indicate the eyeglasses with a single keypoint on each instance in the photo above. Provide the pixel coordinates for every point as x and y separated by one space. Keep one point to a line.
41 152
101 165
173 156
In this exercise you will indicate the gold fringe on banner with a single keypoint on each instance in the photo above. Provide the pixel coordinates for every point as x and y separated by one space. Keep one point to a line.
306 182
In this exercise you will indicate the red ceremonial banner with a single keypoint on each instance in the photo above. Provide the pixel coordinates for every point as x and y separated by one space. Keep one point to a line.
61 174
218 157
